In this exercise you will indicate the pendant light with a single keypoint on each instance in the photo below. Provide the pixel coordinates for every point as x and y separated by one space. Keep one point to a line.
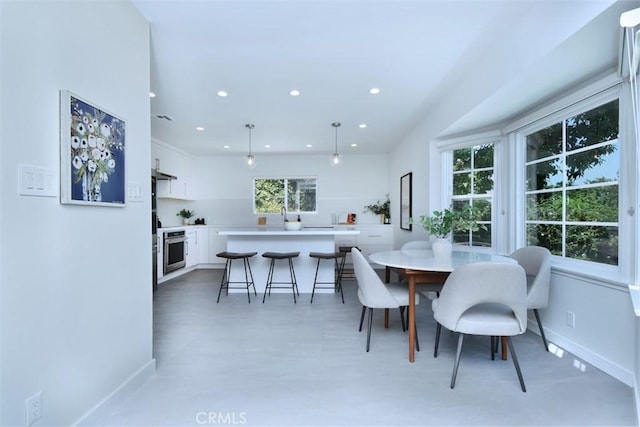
250 159
335 157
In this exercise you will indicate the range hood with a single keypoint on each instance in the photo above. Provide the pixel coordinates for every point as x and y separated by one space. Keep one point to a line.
161 175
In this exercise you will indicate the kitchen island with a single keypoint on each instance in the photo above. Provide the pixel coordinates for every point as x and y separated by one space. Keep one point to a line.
260 240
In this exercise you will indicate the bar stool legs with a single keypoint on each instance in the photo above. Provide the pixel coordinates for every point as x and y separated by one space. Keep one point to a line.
293 284
347 273
339 260
226 275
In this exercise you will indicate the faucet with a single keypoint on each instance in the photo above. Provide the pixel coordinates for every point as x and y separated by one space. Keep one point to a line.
283 212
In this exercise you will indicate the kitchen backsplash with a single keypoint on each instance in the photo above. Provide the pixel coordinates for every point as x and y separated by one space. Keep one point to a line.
239 212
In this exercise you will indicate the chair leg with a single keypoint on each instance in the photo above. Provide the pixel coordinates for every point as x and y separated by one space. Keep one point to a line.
457 362
404 328
340 267
224 276
253 283
369 332
295 279
494 347
544 339
516 364
417 342
294 284
364 309
315 279
246 278
435 348
269 278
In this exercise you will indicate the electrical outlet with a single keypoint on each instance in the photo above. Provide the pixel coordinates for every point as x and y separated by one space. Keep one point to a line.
571 319
34 408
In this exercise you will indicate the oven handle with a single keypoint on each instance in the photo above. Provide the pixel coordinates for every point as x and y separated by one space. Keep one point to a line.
175 240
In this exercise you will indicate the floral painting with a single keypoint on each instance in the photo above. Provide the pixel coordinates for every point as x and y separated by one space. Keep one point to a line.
92 154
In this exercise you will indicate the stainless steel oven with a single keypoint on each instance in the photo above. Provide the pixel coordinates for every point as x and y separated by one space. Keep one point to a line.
174 250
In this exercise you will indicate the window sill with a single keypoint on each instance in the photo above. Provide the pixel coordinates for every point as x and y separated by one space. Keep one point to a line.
603 275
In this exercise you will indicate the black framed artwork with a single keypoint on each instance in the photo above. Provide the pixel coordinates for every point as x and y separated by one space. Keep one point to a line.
405 201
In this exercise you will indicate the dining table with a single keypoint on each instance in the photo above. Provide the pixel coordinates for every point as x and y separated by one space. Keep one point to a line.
420 267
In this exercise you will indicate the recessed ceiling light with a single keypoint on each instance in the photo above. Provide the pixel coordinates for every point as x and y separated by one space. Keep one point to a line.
267 146
294 92
354 145
362 125
199 128
226 146
222 93
374 91
309 145
152 95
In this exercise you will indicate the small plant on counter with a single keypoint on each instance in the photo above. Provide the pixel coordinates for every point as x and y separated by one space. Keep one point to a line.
380 208
185 213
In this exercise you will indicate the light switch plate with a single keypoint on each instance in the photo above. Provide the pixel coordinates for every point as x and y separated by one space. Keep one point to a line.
37 181
134 192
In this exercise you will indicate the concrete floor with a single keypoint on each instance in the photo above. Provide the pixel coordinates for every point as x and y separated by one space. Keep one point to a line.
286 364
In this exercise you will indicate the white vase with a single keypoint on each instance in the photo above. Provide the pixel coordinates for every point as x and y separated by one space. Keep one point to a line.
441 248
185 221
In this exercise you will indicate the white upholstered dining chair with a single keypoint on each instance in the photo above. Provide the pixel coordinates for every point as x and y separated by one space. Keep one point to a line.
536 262
484 298
374 293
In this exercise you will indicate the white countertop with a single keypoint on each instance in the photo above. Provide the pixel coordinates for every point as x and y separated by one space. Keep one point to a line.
311 231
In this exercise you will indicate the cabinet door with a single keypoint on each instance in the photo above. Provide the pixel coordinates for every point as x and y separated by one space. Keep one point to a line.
375 238
203 244
191 250
375 235
164 159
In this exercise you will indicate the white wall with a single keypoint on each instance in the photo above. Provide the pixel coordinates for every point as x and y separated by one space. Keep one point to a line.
411 156
225 188
76 291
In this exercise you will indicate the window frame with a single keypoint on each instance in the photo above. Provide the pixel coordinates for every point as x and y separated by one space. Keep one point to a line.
509 198
618 274
286 180
445 147
472 196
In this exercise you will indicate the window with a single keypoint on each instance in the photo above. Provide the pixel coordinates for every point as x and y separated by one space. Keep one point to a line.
572 173
473 186
270 195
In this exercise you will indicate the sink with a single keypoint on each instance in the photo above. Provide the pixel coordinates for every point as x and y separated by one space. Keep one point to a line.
292 225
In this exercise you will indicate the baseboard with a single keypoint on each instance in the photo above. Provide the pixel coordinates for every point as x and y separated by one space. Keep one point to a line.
607 366
636 399
97 414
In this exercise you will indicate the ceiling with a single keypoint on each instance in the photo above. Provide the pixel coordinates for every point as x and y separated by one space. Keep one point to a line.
422 55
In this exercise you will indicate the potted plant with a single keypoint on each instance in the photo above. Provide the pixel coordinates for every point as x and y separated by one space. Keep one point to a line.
382 209
441 223
185 214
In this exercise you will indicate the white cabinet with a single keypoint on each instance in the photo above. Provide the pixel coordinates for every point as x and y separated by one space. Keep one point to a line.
203 244
372 238
375 238
175 189
178 164
163 159
191 248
